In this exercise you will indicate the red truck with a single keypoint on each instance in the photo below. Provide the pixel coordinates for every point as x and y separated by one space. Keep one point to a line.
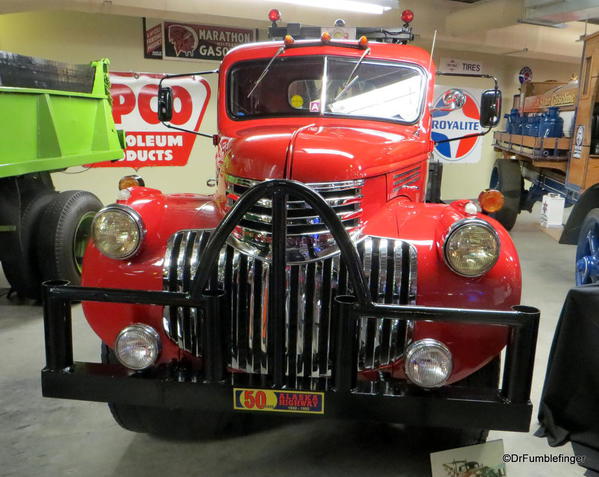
316 280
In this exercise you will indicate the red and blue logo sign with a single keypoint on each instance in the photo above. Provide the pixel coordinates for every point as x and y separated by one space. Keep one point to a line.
451 124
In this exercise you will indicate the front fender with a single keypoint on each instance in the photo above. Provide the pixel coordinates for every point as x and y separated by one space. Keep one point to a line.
426 226
162 215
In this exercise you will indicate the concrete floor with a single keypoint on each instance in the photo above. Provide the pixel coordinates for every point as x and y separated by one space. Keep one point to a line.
57 438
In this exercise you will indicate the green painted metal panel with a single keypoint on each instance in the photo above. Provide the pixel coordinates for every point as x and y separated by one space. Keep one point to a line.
46 130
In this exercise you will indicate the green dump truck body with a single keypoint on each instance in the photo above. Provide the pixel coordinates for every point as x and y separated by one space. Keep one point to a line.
54 115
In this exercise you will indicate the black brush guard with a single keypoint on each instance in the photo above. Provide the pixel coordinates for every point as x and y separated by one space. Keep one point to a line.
506 409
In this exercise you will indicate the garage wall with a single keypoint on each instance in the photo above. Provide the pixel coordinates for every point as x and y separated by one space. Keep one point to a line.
81 37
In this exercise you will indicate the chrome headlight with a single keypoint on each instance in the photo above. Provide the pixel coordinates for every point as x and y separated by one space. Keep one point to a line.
428 363
471 248
137 346
117 231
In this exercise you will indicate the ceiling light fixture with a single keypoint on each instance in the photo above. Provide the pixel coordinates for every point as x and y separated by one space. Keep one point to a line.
341 5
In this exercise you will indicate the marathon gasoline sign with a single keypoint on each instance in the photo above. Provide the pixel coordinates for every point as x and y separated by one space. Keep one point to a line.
202 42
149 142
452 124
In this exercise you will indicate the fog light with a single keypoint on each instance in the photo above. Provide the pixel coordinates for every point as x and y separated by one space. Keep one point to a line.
137 346
428 363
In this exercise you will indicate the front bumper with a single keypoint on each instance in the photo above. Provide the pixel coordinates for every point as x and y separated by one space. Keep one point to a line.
507 408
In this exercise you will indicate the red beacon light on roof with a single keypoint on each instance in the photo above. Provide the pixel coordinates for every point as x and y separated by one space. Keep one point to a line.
274 15
407 16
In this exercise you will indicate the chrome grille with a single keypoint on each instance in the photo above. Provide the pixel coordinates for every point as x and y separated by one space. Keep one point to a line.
406 179
389 265
308 237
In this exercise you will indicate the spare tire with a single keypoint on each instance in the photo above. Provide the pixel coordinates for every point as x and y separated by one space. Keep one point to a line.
64 231
22 270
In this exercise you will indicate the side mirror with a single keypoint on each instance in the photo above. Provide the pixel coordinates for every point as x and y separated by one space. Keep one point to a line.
490 108
165 104
452 99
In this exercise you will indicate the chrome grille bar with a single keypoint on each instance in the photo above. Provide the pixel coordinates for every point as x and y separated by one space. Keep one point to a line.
390 268
343 196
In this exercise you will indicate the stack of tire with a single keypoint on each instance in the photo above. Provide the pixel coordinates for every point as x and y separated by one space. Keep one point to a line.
53 232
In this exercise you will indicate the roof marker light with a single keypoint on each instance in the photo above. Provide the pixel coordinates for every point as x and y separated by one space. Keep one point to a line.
363 41
289 40
407 16
325 37
274 15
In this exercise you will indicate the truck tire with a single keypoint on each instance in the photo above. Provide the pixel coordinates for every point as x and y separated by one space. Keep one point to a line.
587 250
64 231
441 438
177 424
506 177
22 271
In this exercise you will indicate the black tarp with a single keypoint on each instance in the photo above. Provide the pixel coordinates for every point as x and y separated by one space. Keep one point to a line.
18 71
569 408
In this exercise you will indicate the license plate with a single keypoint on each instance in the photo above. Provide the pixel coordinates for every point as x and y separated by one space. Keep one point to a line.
270 400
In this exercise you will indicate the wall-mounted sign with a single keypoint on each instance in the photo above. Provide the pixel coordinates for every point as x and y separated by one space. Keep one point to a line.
453 124
202 42
453 65
525 75
153 42
149 142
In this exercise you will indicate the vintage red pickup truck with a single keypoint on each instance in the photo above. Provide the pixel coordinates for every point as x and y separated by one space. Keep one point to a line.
317 279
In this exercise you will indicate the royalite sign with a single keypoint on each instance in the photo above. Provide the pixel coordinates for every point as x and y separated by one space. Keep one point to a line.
464 121
149 142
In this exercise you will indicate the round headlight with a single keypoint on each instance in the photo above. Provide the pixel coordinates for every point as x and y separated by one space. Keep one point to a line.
428 363
471 248
137 346
117 231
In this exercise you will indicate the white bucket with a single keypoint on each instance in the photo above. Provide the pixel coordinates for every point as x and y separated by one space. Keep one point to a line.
552 210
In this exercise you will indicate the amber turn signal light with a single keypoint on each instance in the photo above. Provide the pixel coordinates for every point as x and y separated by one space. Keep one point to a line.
491 200
289 40
131 181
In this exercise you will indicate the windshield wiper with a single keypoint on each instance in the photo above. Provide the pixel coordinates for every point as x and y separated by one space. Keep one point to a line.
350 79
263 74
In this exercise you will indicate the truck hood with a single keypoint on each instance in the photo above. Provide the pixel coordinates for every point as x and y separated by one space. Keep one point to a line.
316 153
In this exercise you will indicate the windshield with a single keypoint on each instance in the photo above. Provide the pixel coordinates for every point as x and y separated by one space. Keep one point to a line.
293 86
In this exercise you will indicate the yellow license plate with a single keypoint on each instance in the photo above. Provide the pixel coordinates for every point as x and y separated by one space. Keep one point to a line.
270 400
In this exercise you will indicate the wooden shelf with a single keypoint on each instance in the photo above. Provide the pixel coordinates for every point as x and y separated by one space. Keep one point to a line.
511 140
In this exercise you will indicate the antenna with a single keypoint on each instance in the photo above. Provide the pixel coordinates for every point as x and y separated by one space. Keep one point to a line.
432 49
